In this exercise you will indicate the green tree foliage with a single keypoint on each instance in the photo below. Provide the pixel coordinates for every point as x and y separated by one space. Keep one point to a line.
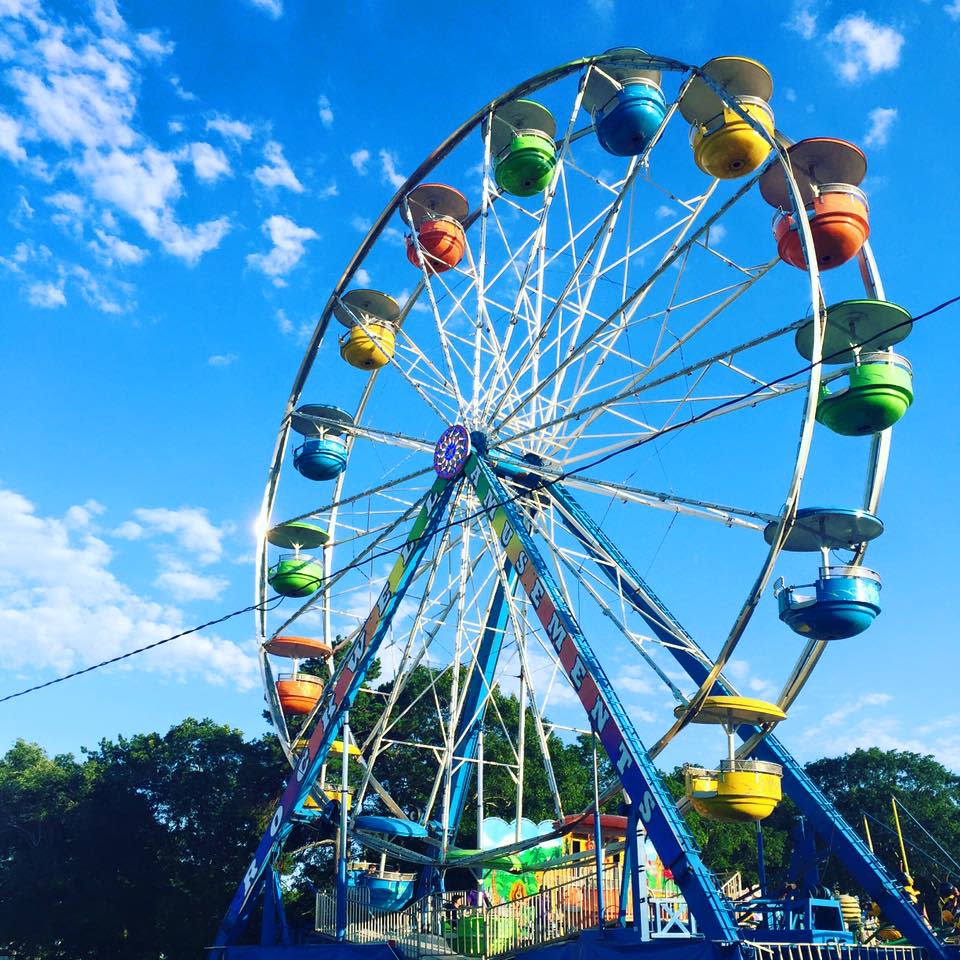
135 851
863 782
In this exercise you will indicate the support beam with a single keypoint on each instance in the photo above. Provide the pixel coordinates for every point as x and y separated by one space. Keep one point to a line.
337 698
640 778
475 702
811 801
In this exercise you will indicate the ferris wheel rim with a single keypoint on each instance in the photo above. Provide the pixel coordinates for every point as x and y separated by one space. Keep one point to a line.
531 85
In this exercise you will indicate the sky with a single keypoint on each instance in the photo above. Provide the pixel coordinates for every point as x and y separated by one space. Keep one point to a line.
183 184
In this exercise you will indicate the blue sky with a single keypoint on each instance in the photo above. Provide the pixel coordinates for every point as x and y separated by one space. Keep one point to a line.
181 187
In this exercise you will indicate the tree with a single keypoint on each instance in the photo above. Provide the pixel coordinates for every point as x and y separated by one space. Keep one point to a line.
134 852
863 782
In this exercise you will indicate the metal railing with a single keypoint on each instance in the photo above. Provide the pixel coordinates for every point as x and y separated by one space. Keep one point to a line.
838 951
432 926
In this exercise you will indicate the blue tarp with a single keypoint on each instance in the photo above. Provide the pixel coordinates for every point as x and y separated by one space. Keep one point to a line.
313 951
621 944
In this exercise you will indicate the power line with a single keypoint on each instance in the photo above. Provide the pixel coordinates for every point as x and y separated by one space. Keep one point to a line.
539 483
266 605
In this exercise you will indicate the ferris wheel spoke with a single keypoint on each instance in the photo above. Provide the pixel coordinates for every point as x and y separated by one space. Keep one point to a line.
363 555
587 414
625 311
598 245
356 497
619 621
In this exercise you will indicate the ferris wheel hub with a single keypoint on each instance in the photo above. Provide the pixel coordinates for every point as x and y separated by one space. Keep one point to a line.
451 452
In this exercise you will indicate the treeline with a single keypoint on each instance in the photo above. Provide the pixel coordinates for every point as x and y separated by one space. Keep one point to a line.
132 851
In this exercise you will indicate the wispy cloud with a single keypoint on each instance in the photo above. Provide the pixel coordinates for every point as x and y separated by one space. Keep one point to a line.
273 8
234 130
360 158
67 608
181 92
803 20
189 526
209 163
276 172
222 360
388 170
49 296
881 120
865 46
325 111
153 44
289 245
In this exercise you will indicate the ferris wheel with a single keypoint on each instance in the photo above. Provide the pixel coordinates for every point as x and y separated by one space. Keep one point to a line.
561 448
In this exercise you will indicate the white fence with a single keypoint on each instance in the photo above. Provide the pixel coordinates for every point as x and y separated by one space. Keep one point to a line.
433 927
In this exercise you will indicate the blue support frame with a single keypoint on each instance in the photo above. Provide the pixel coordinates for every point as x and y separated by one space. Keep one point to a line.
664 825
474 708
813 804
337 698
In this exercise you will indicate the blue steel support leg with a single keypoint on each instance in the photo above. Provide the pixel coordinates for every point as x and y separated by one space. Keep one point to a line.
636 771
813 804
474 705
761 861
626 873
337 697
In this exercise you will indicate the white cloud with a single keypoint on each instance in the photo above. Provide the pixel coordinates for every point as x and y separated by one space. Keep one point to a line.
865 46
330 190
209 163
289 246
175 126
64 607
77 107
112 249
881 120
842 714
153 45
360 158
221 359
181 92
10 138
273 8
78 91
300 332
325 111
72 212
47 295
234 130
361 224
663 212
952 10
277 172
190 527
362 277
144 186
108 17
388 170
128 530
716 233
803 20
185 585
80 516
